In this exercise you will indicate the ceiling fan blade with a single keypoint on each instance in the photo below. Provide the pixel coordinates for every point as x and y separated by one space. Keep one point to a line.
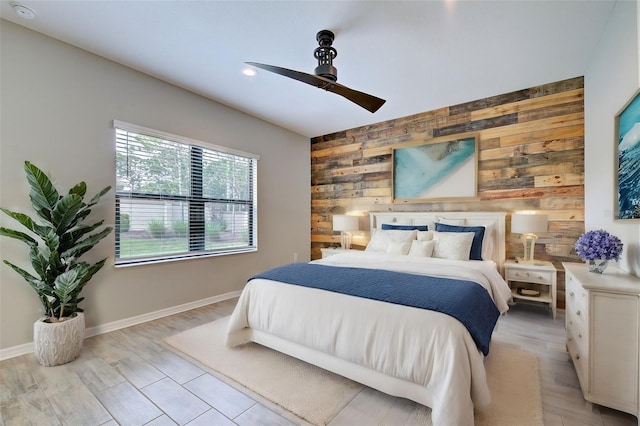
368 102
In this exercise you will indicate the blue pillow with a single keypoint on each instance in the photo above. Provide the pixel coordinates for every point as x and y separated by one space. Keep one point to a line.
476 245
405 227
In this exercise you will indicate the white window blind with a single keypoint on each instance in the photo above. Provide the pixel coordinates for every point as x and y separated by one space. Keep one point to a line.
178 198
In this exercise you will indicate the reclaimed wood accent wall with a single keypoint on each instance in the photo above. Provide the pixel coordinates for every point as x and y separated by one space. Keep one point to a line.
530 157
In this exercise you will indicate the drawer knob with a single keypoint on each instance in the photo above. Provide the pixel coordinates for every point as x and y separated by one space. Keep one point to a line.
580 335
578 313
577 356
571 339
572 294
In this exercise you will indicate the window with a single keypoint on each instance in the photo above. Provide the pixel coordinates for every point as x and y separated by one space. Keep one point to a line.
178 198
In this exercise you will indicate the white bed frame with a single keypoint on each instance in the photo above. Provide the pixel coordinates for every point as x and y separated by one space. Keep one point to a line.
374 379
497 219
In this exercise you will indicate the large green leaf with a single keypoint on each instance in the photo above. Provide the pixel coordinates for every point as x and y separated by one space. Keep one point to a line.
51 240
43 194
26 221
66 286
97 197
75 234
80 189
84 245
4 232
30 279
65 211
39 261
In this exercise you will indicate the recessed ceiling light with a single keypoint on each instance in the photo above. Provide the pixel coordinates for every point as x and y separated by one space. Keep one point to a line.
23 11
249 72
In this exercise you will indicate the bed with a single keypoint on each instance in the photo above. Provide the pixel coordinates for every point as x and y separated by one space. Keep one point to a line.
430 357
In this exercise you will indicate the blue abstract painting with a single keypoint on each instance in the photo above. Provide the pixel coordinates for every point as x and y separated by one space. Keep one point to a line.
629 160
435 170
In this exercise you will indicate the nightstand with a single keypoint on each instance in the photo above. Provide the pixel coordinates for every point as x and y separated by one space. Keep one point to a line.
329 251
537 275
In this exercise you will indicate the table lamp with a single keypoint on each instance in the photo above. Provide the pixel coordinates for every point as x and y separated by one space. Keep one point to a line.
527 225
345 224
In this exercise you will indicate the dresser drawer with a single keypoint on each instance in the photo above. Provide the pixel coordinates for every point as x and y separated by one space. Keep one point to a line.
539 277
580 360
577 332
576 296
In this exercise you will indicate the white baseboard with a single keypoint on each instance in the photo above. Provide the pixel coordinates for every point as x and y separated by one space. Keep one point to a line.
26 348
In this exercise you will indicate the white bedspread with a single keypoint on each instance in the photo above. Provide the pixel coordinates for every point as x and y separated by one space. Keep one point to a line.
416 345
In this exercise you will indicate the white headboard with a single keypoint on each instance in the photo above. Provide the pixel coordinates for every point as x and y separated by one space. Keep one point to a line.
429 218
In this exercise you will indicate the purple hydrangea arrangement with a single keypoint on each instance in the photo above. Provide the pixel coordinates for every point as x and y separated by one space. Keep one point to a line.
598 245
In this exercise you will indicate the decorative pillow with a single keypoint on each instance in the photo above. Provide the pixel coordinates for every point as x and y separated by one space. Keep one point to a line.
381 239
405 227
399 248
425 235
457 222
476 245
421 248
453 245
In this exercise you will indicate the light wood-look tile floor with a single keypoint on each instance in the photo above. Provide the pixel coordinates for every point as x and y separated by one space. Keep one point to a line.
129 377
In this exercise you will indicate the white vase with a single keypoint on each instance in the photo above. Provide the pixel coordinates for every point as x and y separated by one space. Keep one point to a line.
597 265
58 343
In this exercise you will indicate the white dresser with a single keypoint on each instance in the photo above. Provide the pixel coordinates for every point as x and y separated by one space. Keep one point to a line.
603 335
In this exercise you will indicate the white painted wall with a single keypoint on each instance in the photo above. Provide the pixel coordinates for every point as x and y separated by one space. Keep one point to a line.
611 79
57 105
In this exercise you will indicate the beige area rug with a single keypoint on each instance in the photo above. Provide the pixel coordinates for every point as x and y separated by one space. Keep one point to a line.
317 395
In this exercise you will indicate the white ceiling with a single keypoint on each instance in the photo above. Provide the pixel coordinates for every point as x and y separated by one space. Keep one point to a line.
418 55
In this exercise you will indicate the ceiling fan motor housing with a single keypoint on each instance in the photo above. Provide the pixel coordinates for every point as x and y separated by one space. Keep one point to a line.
325 54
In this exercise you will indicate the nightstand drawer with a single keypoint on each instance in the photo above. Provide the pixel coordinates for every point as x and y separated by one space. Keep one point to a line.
539 277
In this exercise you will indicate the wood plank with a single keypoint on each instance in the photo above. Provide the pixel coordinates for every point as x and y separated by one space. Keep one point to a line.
532 126
537 147
568 179
529 104
533 193
338 150
572 129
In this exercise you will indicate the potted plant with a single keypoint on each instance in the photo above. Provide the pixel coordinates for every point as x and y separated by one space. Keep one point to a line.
597 248
56 244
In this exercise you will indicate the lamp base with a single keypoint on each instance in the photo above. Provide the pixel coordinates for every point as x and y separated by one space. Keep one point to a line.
529 244
345 240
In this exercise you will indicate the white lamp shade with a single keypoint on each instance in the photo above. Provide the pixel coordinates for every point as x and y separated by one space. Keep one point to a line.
342 222
522 223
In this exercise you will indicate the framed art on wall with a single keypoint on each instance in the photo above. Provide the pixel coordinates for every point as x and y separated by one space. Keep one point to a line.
441 169
628 142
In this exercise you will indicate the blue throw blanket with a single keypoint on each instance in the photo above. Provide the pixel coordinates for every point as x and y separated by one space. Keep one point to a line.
466 301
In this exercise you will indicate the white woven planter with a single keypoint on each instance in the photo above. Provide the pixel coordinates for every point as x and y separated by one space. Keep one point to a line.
58 343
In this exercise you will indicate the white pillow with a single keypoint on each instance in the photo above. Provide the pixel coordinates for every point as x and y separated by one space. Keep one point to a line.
399 248
425 235
455 222
453 245
381 239
487 241
422 248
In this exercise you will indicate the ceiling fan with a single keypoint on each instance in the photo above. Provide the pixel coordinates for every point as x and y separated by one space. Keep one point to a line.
326 75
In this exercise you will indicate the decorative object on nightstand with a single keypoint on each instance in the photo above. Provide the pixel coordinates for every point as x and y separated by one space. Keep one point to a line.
534 282
345 224
528 225
597 248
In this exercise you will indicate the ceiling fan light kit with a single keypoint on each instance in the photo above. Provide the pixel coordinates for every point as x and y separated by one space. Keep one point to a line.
326 75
